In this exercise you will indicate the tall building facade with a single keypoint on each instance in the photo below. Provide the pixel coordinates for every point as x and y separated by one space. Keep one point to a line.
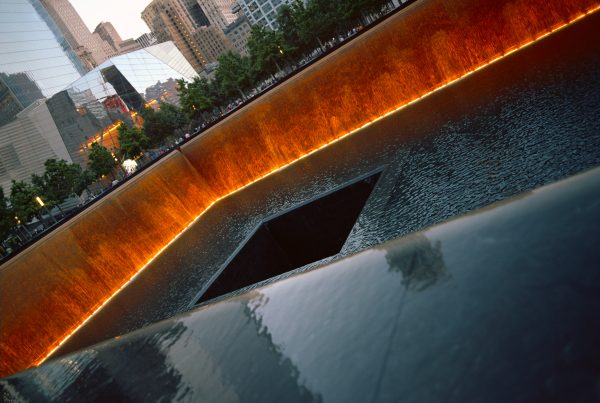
121 46
36 62
238 34
219 12
108 33
198 16
129 45
27 142
263 12
91 49
213 42
147 39
169 20
180 21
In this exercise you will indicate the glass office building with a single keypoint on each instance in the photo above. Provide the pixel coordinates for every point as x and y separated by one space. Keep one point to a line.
36 62
91 108
35 59
132 76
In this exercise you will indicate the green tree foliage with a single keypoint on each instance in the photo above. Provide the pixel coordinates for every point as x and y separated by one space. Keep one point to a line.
319 23
234 74
100 161
197 97
7 217
132 141
22 200
306 26
290 21
86 178
163 123
266 51
60 180
350 11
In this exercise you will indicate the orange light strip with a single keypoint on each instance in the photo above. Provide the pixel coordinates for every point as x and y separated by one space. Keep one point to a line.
341 137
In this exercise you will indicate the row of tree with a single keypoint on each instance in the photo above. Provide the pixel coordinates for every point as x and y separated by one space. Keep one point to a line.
302 29
60 181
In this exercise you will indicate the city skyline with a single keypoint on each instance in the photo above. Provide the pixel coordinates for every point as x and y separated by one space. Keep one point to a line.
125 16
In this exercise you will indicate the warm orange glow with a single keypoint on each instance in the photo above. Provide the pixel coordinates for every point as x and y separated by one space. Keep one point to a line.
105 134
153 103
212 168
109 135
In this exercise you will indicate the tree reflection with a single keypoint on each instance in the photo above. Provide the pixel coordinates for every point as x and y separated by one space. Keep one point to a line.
132 371
276 376
420 263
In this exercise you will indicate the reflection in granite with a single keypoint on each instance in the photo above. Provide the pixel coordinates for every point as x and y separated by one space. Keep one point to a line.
99 373
421 263
185 363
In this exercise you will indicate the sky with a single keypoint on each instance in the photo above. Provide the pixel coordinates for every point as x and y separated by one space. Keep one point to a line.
125 15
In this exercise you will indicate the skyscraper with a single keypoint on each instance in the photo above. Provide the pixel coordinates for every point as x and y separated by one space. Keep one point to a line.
108 33
36 61
147 39
219 12
263 12
91 49
239 33
213 42
179 21
198 16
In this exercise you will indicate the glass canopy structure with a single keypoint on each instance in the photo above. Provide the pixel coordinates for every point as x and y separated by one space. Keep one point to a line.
93 106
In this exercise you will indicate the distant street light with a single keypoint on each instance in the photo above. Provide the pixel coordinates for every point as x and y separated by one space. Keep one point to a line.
39 200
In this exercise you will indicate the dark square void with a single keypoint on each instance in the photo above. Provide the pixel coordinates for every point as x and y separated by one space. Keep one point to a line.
306 234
